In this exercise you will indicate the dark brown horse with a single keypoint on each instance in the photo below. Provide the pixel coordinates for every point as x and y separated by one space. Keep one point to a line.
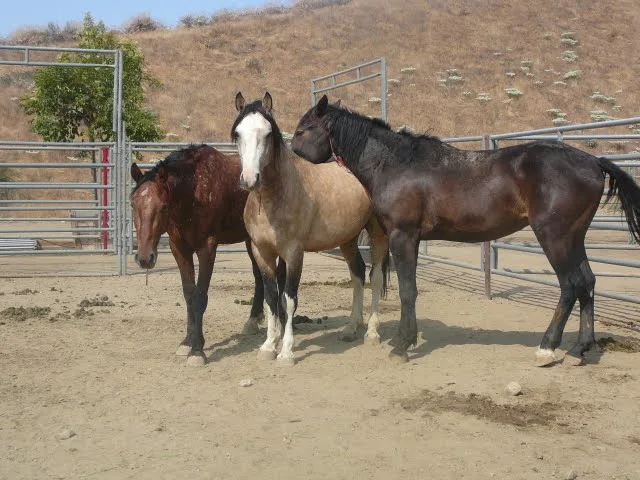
424 189
194 196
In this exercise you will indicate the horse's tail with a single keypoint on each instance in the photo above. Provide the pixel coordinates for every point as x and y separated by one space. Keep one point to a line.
628 192
386 273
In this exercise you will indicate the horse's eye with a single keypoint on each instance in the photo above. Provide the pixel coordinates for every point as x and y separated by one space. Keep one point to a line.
298 133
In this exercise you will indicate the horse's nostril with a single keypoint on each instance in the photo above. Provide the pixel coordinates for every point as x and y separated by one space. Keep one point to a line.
152 258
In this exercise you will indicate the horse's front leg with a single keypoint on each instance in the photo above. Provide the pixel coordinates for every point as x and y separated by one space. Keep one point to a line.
266 260
357 269
199 301
184 259
257 308
290 301
404 248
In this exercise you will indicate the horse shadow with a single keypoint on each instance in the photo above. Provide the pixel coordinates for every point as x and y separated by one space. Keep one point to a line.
439 335
436 335
240 343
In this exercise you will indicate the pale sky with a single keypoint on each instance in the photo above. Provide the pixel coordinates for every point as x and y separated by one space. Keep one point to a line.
113 13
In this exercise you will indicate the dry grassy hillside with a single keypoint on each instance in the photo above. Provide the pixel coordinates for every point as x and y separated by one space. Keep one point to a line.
203 68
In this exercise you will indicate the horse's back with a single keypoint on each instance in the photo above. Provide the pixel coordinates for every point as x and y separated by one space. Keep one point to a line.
220 196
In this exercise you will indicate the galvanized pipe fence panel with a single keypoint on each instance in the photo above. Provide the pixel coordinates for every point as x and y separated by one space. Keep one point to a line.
78 219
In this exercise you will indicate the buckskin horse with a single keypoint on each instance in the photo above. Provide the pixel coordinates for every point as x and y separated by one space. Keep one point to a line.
193 194
296 207
424 189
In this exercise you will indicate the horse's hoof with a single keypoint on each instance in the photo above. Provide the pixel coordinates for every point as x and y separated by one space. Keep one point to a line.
573 360
197 360
183 350
285 361
348 336
251 327
545 357
397 356
372 339
267 355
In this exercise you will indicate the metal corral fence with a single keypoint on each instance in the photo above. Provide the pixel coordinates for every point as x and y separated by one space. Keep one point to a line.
334 81
489 251
79 215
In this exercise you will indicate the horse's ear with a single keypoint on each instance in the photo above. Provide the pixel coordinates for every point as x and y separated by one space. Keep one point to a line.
136 173
337 103
240 103
162 174
267 102
321 107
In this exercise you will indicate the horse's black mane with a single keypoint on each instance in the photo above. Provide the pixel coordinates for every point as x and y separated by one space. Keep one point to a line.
351 130
173 164
256 107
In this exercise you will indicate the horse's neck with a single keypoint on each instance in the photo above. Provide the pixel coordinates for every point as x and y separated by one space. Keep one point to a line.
279 177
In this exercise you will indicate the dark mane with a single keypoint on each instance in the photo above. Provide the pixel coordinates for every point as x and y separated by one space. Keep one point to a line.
174 164
256 107
351 130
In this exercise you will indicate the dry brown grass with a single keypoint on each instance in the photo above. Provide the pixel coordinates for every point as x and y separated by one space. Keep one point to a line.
203 68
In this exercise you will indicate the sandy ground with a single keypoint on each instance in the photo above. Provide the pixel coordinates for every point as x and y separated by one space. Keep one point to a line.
108 374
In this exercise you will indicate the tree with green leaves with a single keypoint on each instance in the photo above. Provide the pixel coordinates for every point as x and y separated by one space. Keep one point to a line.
69 103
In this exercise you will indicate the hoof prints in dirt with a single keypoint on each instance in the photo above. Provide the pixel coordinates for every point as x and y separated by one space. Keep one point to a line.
612 345
20 314
483 407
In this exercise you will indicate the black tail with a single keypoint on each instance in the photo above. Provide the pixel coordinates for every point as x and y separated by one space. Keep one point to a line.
386 273
628 192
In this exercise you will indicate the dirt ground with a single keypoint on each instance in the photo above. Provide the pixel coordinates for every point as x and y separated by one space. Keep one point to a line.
105 370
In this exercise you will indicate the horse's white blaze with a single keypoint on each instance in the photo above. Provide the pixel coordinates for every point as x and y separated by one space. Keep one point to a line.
287 340
252 145
273 330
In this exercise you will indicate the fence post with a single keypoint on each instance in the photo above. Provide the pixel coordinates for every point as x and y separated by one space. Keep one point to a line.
486 246
104 214
383 93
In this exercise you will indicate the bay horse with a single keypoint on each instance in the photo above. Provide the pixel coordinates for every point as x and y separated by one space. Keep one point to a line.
193 195
424 189
295 207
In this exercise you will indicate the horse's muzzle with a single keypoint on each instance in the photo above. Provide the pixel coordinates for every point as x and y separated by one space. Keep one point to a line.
147 263
249 184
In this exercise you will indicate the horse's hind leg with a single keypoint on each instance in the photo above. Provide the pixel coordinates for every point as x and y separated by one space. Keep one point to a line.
379 257
257 314
586 335
569 260
357 269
